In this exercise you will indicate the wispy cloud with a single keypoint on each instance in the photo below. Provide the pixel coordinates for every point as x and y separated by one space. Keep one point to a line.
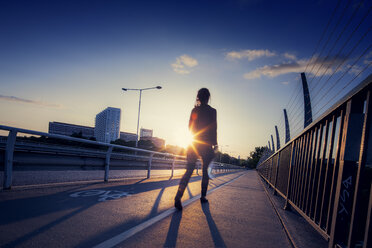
285 83
294 67
28 101
183 64
249 54
368 58
289 56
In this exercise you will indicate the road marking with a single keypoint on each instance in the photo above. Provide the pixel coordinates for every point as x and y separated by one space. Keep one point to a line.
103 195
134 230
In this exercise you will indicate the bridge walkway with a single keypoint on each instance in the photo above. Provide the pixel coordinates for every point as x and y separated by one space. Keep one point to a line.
119 214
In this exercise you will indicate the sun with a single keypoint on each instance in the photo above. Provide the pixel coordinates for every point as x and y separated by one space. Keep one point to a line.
184 138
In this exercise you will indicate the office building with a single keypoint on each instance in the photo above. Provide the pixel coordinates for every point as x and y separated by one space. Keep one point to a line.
107 127
128 136
69 129
145 133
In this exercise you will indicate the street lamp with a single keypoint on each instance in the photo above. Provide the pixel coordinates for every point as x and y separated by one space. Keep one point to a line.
139 105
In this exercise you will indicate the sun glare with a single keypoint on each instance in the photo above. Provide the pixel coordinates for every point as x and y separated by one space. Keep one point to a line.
184 138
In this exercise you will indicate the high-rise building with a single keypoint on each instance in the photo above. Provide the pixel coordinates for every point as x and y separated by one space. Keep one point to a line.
107 127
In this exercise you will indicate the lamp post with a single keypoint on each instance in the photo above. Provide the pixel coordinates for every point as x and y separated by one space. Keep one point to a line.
139 104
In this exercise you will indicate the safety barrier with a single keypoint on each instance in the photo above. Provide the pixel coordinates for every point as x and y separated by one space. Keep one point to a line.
325 173
104 155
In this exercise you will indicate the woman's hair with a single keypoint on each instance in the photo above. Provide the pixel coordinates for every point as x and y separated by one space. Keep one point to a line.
203 96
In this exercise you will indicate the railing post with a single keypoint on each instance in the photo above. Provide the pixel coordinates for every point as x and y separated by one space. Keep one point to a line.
174 161
348 167
107 163
8 159
271 172
276 174
287 206
363 178
149 165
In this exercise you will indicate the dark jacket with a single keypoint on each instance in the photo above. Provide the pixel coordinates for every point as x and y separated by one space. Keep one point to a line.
203 124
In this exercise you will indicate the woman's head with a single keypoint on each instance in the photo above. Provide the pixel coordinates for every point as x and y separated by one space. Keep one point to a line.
203 96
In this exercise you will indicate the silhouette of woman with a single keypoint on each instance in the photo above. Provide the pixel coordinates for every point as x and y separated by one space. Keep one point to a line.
203 125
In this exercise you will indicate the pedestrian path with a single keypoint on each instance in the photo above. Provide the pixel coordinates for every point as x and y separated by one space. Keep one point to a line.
238 214
140 213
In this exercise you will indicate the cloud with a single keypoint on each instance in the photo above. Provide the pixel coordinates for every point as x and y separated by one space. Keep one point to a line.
249 54
183 64
294 67
368 58
289 56
285 83
356 69
28 101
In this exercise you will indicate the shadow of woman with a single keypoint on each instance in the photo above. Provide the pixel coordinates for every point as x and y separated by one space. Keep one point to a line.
173 230
216 236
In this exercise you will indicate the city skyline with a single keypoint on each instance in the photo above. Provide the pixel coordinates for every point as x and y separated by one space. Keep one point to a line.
66 60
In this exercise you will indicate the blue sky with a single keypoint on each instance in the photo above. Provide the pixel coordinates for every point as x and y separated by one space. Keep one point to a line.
67 60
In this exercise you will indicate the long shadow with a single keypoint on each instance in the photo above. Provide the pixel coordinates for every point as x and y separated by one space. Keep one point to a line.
174 226
15 209
27 207
29 204
140 181
154 209
216 236
42 229
189 192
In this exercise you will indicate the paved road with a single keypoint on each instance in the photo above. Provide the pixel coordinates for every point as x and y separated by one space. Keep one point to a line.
36 177
239 214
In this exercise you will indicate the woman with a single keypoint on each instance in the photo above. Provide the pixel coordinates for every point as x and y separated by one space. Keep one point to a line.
203 125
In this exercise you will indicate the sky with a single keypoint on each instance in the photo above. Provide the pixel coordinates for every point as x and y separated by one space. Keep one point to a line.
66 61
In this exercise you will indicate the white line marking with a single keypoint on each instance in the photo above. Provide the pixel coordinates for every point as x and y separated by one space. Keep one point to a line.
134 230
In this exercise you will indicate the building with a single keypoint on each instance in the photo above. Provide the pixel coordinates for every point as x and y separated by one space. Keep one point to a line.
69 129
145 133
128 136
107 127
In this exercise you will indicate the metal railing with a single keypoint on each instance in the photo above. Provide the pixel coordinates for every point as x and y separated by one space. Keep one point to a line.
104 154
325 173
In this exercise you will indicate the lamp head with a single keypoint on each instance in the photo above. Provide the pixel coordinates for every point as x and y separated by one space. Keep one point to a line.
158 87
124 89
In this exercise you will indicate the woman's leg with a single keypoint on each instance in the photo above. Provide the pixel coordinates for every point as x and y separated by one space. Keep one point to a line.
191 162
207 158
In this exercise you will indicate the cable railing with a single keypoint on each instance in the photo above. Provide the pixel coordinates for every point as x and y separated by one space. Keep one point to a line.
325 173
84 154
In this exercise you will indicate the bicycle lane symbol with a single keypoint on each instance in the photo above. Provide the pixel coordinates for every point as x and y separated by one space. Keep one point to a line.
103 195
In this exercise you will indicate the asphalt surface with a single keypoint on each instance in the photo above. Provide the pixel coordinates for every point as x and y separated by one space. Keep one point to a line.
238 214
36 177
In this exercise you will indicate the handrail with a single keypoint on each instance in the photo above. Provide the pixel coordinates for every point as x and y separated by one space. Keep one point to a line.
11 142
58 136
324 173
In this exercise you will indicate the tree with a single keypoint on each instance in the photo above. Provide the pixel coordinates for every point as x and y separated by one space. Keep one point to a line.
255 156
